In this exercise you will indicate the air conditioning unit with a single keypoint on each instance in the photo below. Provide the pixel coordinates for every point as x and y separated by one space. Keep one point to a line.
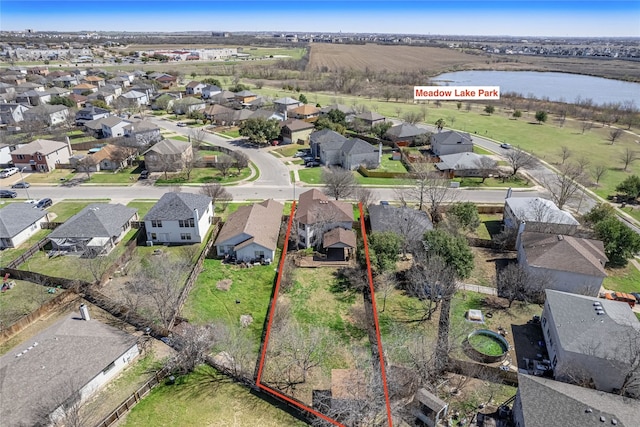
149 242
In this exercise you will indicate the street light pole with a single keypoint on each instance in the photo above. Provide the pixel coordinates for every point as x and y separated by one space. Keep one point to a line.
22 179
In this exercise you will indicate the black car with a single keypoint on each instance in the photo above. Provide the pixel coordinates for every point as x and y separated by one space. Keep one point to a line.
21 184
144 174
8 194
637 295
44 203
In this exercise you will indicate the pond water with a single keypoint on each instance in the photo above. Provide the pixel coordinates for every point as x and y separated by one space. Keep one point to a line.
554 86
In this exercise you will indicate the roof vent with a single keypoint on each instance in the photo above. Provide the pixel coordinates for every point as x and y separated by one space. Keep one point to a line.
602 418
600 312
596 303
560 237
614 422
588 410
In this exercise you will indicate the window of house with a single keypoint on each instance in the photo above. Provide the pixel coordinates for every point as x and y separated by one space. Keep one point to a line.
20 156
108 368
259 254
544 321
186 223
185 236
156 223
39 157
154 236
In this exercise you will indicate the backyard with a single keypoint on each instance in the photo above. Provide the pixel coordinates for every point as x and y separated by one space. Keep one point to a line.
21 300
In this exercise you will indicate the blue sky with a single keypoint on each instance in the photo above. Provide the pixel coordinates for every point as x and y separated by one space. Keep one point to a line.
514 17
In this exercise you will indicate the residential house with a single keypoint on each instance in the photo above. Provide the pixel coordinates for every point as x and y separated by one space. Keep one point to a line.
405 133
284 105
51 115
33 97
225 97
112 157
305 112
451 142
79 100
245 96
370 118
316 214
5 153
188 105
543 402
95 81
101 95
148 89
142 133
8 90
563 263
27 86
295 131
68 81
58 91
210 90
134 98
218 114
39 71
411 224
339 244
168 155
240 116
120 81
194 88
68 362
325 144
41 155
166 81
348 111
179 218
95 230
91 113
467 165
251 232
538 214
94 127
266 114
164 101
84 89
355 152
113 126
592 341
18 222
12 113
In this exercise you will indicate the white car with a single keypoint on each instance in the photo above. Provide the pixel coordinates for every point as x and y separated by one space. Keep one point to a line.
8 172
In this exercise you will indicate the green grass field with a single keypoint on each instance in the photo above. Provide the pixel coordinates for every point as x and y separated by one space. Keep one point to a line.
126 176
206 398
290 149
67 208
623 279
24 298
389 165
143 206
205 175
311 175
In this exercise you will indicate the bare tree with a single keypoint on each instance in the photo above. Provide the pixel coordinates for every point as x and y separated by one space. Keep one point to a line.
241 160
586 125
565 153
614 134
515 282
87 164
365 196
339 183
223 164
627 157
425 281
197 137
519 159
428 187
219 195
195 343
564 184
486 167
122 154
598 172
412 117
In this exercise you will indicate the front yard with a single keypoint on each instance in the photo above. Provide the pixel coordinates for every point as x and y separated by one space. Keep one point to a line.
204 176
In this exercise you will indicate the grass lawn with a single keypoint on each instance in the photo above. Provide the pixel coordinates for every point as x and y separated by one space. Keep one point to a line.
515 182
379 181
290 149
311 175
205 398
143 206
232 133
180 138
389 165
24 298
67 208
479 150
53 177
125 176
251 286
623 279
205 175
490 226
9 255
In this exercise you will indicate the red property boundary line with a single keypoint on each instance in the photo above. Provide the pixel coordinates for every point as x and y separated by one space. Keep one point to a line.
270 324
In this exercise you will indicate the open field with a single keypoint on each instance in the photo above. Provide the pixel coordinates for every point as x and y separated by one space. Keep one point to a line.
205 398
623 279
434 60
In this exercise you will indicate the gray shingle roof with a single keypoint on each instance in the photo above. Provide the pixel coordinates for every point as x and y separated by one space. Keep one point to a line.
537 209
260 222
176 206
340 107
370 116
405 130
16 217
548 403
399 220
564 253
358 146
326 135
169 146
451 137
287 101
44 146
95 220
582 331
68 355
464 161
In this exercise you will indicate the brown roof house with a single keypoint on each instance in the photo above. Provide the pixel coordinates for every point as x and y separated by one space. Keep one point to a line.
294 131
305 112
251 232
61 367
41 155
564 263
168 155
316 215
592 341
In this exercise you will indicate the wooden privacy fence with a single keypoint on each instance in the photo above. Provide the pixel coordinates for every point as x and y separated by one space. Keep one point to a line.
28 254
133 400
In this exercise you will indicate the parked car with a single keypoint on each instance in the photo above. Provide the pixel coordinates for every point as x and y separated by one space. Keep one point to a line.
505 145
144 174
8 194
44 203
8 172
181 124
21 184
312 164
637 295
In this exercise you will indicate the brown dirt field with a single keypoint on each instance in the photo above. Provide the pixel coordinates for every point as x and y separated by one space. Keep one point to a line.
395 58
435 60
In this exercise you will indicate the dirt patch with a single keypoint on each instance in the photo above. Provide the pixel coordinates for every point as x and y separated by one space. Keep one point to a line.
224 285
486 263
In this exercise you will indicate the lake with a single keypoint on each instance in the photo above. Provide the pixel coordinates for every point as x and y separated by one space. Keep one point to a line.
555 86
